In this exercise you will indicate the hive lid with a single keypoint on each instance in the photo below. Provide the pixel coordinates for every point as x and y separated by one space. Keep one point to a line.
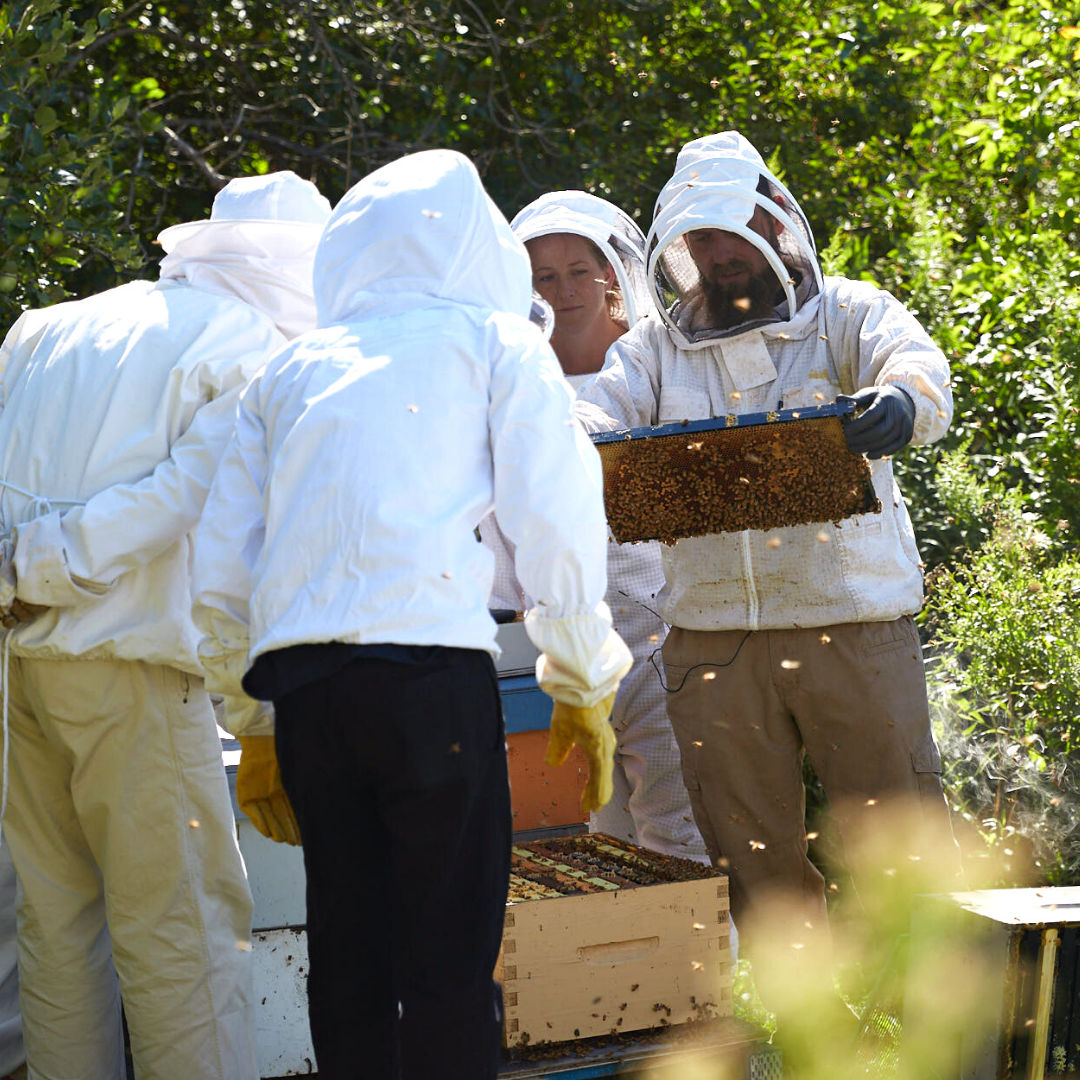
728 474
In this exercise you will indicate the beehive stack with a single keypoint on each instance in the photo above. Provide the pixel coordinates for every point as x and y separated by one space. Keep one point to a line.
753 476
601 937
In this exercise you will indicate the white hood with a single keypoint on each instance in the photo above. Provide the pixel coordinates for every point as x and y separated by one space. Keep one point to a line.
612 230
719 182
258 245
416 233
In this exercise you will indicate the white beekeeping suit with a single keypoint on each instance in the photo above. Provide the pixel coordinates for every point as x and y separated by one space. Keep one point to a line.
650 804
796 640
338 553
825 337
115 412
421 582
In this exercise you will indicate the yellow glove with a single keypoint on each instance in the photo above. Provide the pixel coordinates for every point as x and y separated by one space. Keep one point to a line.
259 791
589 728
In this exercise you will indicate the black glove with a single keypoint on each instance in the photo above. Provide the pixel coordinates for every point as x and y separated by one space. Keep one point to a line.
887 424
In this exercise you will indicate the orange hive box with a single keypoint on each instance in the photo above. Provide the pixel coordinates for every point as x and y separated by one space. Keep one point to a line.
542 795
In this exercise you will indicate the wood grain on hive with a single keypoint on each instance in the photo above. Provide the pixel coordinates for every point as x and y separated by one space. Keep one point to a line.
602 937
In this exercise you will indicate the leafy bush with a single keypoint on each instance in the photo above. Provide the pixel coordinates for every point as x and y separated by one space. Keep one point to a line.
1004 677
61 209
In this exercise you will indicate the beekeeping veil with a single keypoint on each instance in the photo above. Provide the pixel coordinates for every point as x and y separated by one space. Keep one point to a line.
720 182
257 245
608 227
542 315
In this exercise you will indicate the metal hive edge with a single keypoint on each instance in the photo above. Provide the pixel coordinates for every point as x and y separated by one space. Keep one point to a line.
689 427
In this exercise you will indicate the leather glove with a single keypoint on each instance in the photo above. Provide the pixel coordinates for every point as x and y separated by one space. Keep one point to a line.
589 728
886 425
260 793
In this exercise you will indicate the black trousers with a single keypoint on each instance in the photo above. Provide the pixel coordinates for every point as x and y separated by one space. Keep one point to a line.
397 774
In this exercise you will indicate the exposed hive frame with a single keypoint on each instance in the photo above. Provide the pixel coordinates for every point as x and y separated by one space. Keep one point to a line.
755 471
591 864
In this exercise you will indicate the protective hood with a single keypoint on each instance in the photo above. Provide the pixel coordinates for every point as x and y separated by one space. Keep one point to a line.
721 182
612 230
416 233
258 245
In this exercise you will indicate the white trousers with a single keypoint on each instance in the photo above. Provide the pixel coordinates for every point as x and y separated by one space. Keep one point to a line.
11 1044
121 829
650 805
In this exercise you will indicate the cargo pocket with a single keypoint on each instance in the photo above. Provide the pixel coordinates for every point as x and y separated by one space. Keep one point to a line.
926 761
886 637
678 403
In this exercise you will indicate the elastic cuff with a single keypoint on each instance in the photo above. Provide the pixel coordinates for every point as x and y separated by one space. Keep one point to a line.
41 566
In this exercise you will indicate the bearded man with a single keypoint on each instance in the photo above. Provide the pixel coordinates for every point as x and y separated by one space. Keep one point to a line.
797 640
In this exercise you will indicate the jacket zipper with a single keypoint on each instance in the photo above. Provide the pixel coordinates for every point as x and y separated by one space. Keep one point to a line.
751 589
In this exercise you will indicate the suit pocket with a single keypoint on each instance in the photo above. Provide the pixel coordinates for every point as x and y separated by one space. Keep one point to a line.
679 403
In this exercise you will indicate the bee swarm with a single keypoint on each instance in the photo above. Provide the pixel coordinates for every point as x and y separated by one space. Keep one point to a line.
762 476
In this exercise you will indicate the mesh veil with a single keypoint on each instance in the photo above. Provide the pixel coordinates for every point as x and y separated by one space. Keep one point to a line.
612 230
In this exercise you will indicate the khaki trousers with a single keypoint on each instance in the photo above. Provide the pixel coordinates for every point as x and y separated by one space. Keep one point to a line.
121 831
747 707
11 1048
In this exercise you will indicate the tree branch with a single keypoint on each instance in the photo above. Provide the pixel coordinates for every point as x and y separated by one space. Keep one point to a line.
189 151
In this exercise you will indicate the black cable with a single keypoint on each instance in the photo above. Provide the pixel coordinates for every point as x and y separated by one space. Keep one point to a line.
640 604
659 674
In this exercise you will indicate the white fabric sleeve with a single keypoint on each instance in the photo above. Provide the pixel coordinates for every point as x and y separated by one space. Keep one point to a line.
227 546
506 590
549 503
26 326
245 716
582 658
876 341
626 391
63 560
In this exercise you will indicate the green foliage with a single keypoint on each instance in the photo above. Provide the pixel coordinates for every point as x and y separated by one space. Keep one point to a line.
59 212
1004 623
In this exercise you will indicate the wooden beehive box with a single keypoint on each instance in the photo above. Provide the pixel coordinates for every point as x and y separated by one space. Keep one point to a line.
602 937
1010 960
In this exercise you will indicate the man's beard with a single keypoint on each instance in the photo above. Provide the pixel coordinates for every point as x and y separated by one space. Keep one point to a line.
727 306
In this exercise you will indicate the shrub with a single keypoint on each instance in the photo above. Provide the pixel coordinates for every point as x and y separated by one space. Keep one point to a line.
1004 678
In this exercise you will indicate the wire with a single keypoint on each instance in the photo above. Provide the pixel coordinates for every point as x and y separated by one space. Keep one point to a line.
652 655
705 663
635 600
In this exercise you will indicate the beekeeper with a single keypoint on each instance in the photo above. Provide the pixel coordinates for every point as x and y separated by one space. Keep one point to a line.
588 263
356 600
801 637
116 410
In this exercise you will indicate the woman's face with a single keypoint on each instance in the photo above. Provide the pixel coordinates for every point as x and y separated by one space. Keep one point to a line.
568 275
